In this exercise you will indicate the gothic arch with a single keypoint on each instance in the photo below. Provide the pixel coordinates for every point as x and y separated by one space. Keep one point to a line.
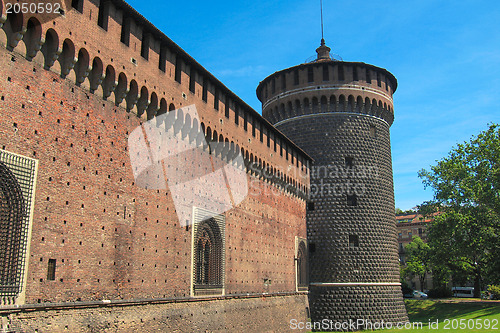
95 76
50 48
143 101
14 30
32 38
108 85
121 88
302 281
12 214
67 58
208 256
153 107
81 67
132 95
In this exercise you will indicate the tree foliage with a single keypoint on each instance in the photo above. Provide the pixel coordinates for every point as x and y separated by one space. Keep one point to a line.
470 175
399 211
417 260
466 183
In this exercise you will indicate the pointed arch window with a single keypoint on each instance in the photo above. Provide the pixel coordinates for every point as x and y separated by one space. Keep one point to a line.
301 266
208 258
17 179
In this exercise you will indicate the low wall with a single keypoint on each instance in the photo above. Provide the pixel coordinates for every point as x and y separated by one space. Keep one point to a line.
255 313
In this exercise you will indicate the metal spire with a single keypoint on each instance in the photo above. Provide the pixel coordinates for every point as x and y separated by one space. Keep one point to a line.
322 36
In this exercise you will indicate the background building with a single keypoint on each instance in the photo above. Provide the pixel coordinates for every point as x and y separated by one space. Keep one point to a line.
408 226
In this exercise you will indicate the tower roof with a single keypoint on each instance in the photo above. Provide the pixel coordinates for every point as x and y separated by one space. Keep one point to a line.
323 51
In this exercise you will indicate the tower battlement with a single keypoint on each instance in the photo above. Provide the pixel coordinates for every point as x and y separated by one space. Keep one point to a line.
112 51
328 86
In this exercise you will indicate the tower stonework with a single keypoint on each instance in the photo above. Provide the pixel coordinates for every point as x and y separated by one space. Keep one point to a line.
340 114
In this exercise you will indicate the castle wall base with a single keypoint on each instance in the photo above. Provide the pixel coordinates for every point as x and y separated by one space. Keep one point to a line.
245 314
343 306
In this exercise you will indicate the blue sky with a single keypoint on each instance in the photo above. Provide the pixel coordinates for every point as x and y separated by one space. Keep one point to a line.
445 55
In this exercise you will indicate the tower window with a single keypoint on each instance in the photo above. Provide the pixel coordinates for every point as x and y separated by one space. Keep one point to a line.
326 73
178 69
353 241
102 18
310 206
236 115
310 74
341 73
51 270
204 93
273 86
78 5
283 82
192 80
373 131
125 34
296 77
226 107
368 77
216 99
355 73
379 81
145 45
349 161
162 63
352 200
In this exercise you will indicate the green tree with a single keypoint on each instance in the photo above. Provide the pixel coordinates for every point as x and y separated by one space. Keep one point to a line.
463 241
467 182
470 175
418 261
399 211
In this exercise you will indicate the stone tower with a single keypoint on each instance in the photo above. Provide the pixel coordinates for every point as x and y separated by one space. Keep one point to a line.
340 113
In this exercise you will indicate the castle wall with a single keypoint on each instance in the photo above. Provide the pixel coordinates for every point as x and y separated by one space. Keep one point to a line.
255 314
71 93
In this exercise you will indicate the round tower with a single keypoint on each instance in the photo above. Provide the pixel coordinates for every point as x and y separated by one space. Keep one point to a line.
340 114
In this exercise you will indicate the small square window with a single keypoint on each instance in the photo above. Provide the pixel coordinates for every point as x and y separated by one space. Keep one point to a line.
51 270
312 247
310 206
352 200
373 131
353 241
349 161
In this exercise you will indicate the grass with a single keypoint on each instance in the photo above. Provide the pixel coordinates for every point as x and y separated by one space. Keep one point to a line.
470 311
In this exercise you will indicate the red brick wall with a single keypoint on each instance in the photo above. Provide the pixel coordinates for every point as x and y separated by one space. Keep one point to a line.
112 239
